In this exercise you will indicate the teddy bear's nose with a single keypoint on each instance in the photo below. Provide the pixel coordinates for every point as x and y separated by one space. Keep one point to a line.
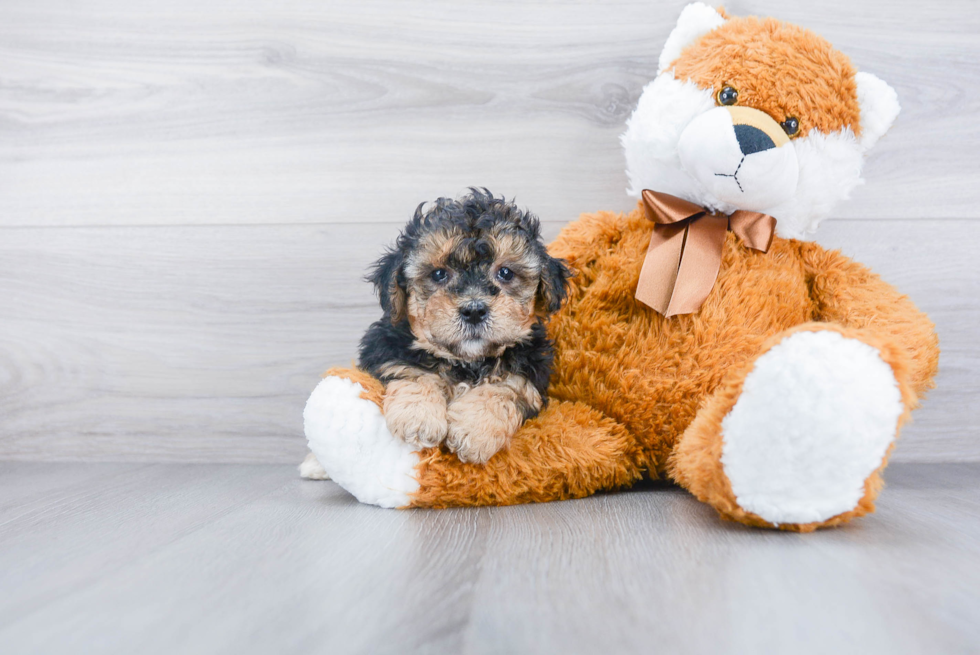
751 139
755 130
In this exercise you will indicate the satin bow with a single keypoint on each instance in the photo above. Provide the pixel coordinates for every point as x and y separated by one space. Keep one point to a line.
682 262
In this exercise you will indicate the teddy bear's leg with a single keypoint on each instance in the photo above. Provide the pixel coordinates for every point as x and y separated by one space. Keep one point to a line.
798 438
568 451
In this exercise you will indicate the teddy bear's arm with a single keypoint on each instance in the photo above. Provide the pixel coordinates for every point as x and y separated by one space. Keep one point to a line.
568 451
851 295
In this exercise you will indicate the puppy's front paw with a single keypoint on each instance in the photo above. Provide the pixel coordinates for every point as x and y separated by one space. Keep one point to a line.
481 423
416 412
422 426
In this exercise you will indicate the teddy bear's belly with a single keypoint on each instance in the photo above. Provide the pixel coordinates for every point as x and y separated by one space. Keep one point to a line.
651 373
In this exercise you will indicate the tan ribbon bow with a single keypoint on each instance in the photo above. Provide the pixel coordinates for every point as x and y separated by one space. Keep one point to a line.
682 262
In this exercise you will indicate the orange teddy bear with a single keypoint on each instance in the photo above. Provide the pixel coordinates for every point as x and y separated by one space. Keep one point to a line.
701 342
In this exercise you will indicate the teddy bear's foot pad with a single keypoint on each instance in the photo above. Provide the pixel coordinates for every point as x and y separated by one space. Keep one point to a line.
350 439
815 418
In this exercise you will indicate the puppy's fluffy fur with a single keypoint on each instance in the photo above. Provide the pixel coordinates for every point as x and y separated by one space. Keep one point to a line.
462 347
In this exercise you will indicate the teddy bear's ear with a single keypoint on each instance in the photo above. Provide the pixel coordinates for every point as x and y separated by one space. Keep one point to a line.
696 20
879 107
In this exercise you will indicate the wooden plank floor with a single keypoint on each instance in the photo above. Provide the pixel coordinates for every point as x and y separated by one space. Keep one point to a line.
178 558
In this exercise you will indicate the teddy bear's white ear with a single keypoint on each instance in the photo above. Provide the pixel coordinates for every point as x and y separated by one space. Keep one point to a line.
695 21
879 107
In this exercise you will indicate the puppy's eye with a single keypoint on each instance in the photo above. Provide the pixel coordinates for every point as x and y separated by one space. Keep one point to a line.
727 96
439 275
791 126
504 274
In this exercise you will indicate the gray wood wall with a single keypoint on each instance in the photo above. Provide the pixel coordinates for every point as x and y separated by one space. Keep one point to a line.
190 191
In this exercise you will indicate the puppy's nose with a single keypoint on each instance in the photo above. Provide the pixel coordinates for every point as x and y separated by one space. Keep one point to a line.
474 312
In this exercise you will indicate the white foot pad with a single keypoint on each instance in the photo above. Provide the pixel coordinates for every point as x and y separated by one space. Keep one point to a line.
350 439
815 418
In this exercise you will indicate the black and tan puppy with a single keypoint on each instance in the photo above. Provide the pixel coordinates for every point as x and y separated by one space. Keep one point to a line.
462 347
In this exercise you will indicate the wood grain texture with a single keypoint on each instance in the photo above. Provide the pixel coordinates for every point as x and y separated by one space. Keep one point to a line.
122 558
259 111
203 343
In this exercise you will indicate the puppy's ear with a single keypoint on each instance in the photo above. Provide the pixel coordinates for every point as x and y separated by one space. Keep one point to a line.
388 279
553 287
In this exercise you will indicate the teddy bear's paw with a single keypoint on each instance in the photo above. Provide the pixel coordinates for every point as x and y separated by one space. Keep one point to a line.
350 439
815 418
311 469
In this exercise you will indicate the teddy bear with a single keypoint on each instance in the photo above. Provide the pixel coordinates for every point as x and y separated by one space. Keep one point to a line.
704 340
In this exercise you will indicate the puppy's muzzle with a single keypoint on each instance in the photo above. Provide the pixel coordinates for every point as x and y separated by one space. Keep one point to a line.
474 312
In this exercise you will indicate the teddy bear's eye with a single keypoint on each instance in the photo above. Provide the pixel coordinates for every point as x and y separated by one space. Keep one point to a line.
727 96
791 126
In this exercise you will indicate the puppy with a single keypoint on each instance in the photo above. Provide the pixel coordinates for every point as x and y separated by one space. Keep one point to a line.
462 347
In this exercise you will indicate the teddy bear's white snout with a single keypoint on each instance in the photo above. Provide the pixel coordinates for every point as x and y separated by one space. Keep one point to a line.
739 158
